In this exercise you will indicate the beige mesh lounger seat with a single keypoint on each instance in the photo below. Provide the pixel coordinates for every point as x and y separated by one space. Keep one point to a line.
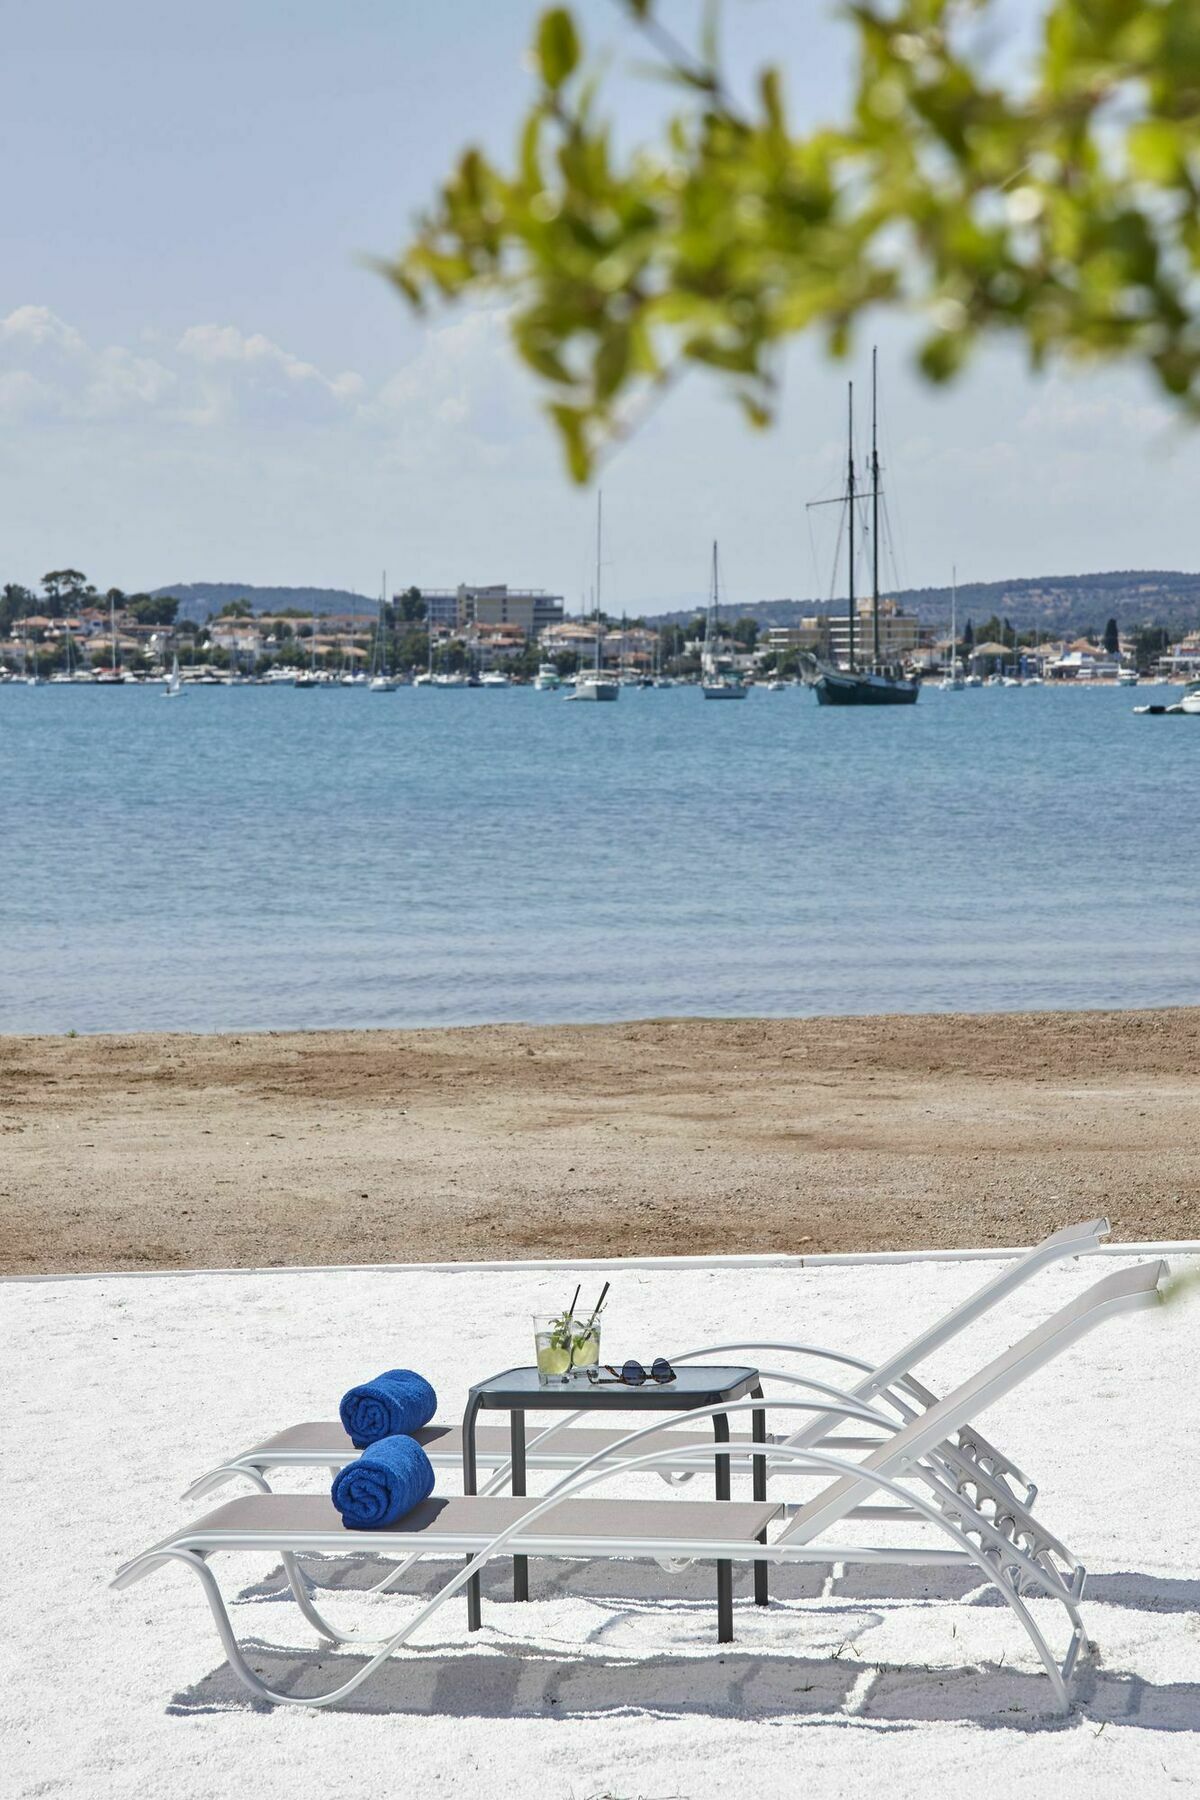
564 1444
905 1481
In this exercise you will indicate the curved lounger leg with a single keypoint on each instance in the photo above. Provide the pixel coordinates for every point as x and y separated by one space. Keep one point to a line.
302 1586
194 1561
230 1471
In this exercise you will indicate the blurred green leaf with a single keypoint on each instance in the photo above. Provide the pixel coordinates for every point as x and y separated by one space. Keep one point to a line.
557 46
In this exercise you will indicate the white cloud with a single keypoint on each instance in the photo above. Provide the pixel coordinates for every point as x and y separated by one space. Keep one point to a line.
214 373
38 326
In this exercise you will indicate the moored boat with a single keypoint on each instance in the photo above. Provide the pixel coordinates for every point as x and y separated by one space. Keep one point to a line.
858 683
716 683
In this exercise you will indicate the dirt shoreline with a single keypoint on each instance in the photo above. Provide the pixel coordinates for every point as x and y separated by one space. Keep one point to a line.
663 1136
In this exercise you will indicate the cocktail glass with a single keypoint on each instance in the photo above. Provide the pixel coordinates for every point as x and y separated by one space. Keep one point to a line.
565 1347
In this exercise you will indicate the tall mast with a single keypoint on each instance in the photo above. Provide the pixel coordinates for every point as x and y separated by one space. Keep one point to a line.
953 620
716 597
850 502
874 514
599 540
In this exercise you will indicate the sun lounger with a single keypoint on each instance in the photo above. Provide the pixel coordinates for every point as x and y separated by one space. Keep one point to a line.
904 1478
562 1445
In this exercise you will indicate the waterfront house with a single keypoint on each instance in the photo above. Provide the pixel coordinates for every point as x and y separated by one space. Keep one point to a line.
240 635
491 645
574 636
1083 662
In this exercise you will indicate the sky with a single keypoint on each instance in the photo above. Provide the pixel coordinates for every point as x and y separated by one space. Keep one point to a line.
201 378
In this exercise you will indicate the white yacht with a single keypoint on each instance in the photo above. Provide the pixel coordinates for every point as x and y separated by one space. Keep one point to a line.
174 686
495 678
1127 677
547 678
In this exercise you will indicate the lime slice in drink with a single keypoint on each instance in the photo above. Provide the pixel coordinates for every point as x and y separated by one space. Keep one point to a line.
586 1351
553 1362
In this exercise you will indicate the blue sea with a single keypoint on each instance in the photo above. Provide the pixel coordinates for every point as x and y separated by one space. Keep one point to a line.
256 858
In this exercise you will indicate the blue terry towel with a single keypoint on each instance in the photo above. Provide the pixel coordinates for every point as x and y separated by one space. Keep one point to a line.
398 1402
388 1481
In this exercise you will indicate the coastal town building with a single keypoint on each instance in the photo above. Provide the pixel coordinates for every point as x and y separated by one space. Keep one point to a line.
809 634
1083 662
574 637
899 633
533 609
241 635
492 645
530 608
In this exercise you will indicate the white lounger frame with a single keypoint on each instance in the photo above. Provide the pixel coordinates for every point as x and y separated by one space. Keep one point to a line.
892 1379
1009 1548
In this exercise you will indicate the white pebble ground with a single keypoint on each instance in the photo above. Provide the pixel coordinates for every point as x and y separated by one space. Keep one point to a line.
121 1389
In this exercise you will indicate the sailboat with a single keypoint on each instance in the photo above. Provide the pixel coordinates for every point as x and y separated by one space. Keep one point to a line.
30 676
593 684
113 673
714 685
953 680
381 682
874 683
307 678
174 685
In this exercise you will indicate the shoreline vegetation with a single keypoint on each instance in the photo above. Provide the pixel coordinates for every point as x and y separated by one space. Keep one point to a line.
663 1137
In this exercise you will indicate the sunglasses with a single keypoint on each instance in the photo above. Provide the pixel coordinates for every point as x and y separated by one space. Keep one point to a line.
632 1374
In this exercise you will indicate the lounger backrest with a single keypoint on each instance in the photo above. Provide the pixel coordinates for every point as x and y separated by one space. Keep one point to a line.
1125 1291
1071 1240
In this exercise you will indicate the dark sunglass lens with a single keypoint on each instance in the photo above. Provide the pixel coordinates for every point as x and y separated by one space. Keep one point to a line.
633 1373
662 1370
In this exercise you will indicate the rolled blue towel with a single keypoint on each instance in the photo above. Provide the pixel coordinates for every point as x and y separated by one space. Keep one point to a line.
396 1403
391 1478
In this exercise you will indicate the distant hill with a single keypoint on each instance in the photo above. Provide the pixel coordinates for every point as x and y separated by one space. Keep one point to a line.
199 598
1065 605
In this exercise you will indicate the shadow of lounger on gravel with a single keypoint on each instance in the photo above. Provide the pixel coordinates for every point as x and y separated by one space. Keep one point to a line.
550 1578
524 1684
629 1579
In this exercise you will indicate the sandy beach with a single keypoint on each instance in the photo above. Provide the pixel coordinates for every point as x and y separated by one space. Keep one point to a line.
668 1136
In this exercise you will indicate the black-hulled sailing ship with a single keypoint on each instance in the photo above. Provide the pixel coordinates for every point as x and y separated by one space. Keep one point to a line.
863 680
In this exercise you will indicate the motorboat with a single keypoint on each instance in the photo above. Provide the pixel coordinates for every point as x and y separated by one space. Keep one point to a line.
547 678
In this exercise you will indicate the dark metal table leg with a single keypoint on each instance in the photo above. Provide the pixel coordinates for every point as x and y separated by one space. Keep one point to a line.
724 1569
758 1431
517 1446
468 1455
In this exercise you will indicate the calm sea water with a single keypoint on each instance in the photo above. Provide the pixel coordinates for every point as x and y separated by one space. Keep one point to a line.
261 858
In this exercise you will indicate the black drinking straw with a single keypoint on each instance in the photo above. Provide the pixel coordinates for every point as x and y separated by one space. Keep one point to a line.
599 1304
571 1309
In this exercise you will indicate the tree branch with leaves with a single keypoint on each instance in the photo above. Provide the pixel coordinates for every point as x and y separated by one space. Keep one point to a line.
1062 211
